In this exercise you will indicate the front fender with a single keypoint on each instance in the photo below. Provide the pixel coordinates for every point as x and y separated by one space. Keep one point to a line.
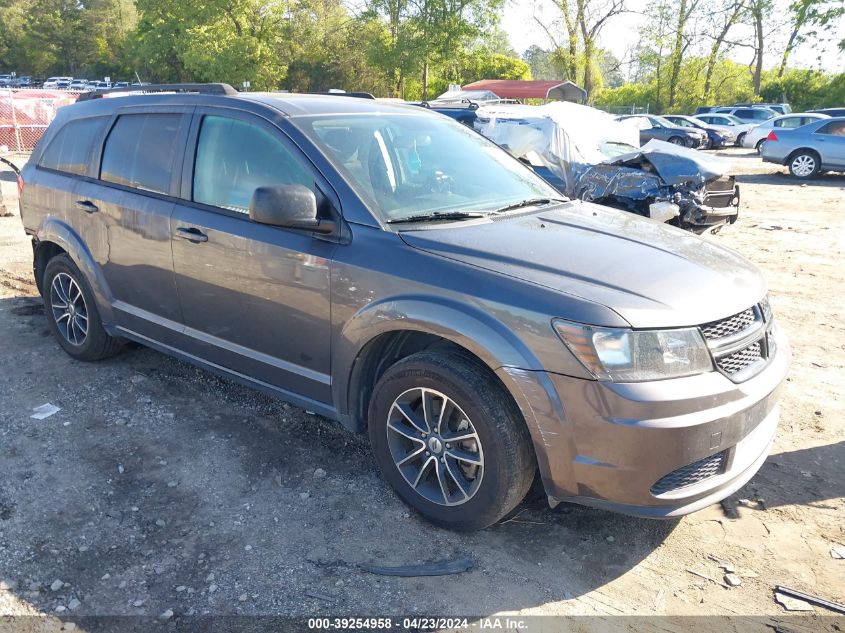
490 340
55 230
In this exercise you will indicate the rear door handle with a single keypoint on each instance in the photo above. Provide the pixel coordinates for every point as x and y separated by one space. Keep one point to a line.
87 206
192 235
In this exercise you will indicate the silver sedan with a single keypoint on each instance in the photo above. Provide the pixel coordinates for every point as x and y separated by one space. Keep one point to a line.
757 136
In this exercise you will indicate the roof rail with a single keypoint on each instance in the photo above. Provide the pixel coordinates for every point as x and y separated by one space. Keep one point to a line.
205 89
359 95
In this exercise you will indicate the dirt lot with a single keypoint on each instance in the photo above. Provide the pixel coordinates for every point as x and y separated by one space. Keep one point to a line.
161 487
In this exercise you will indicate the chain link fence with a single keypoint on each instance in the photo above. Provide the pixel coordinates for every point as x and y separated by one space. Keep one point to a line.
25 114
627 109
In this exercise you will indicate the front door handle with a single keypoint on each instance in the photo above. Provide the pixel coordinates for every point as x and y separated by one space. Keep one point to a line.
87 206
192 235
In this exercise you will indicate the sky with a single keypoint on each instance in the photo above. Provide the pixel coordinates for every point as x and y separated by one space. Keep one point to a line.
622 33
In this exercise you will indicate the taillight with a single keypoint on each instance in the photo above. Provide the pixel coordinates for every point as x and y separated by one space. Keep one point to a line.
772 136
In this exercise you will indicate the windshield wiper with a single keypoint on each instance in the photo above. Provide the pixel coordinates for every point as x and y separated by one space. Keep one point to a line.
437 216
530 202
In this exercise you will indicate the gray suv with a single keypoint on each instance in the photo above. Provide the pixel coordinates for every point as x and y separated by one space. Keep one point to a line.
392 269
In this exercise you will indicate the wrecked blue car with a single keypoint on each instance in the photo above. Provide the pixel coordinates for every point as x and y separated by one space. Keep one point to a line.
588 155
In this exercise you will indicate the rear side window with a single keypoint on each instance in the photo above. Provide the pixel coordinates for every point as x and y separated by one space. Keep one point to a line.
70 149
140 151
835 128
234 158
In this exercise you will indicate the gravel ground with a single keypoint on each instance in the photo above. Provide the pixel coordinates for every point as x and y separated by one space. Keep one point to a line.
161 489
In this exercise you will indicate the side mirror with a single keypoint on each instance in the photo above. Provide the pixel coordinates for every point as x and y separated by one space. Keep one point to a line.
288 206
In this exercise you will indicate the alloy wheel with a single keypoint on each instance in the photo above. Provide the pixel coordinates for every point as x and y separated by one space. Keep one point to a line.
803 165
69 310
435 446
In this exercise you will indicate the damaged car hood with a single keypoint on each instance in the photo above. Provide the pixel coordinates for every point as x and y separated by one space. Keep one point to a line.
674 164
651 274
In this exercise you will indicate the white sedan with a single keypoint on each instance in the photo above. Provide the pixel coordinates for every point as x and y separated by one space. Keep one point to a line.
756 137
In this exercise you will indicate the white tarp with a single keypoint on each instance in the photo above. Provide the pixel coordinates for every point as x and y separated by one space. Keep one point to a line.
557 135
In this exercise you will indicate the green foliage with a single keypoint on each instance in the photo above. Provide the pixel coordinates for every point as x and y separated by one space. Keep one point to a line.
804 89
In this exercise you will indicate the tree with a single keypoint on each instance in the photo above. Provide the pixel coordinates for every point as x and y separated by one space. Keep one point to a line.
809 13
725 17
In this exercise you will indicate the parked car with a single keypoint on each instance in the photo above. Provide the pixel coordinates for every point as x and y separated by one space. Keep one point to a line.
79 85
656 127
476 325
757 137
809 149
751 114
705 109
64 83
779 108
24 81
717 136
5 81
120 84
830 111
727 120
99 85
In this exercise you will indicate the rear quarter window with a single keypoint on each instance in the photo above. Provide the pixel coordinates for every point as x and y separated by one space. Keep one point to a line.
70 149
140 151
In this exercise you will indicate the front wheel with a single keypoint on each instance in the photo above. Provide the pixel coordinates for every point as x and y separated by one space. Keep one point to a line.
677 140
449 440
740 139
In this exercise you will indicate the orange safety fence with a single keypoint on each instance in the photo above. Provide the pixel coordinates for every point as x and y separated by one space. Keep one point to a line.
25 115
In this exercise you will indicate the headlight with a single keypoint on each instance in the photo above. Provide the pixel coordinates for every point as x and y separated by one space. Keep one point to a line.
624 355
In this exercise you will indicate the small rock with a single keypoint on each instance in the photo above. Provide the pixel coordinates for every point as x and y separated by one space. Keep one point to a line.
122 584
120 469
73 604
60 609
248 548
167 614
135 508
105 577
57 584
69 626
818 412
34 586
242 597
733 580
138 603
180 588
319 473
161 522
307 412
8 585
212 588
806 473
209 578
339 583
610 539
120 422
82 548
172 484
304 495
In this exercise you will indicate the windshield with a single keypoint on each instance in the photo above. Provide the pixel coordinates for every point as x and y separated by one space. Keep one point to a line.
406 165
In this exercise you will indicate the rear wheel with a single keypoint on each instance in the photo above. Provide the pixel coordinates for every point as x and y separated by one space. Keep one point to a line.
677 140
449 440
740 139
759 146
72 312
804 164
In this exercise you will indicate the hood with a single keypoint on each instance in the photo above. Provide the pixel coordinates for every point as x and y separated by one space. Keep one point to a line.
651 274
674 164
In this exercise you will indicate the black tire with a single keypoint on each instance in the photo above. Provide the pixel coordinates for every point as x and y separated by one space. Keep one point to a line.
95 344
504 442
759 146
740 139
804 164
677 140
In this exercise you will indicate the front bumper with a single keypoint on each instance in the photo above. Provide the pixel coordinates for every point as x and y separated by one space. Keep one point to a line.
615 441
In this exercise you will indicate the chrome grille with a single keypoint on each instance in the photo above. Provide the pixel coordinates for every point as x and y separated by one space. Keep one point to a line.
739 360
691 474
729 326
